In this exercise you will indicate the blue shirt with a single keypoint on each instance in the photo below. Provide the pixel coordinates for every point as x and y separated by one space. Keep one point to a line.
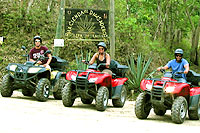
178 67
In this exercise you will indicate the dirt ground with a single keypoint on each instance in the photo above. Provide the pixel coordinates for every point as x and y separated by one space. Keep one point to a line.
20 114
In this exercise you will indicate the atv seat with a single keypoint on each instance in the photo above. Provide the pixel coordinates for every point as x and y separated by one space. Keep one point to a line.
193 77
115 67
58 64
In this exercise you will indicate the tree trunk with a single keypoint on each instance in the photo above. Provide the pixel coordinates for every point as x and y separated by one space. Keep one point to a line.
29 6
49 6
195 42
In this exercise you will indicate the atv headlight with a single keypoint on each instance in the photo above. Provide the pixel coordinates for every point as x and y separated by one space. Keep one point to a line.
149 86
92 80
73 77
169 89
13 67
34 69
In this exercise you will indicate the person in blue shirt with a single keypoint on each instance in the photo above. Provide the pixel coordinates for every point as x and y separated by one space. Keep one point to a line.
179 64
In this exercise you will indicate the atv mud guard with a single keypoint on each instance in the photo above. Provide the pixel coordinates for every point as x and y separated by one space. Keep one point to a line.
117 88
193 103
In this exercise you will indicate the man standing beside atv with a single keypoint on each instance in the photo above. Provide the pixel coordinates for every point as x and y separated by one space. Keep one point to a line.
39 50
101 57
178 64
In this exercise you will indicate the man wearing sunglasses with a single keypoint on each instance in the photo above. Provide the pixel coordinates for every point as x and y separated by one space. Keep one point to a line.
179 64
39 50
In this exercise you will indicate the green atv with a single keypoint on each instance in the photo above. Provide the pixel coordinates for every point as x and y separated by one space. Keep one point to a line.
32 78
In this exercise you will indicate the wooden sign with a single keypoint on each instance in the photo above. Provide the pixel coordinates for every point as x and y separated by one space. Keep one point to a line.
86 24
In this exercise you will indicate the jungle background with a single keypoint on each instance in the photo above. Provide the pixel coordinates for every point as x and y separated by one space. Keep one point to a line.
153 28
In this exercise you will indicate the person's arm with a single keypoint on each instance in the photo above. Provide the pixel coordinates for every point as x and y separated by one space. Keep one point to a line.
165 68
187 68
49 60
107 60
93 59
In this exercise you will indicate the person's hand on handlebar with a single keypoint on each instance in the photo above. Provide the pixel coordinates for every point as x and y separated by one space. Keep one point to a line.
159 68
186 71
39 62
86 62
107 65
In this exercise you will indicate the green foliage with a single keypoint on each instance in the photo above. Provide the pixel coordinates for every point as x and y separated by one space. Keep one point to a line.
137 70
79 63
153 28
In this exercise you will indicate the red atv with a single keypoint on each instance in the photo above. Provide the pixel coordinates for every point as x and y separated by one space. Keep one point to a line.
93 84
169 94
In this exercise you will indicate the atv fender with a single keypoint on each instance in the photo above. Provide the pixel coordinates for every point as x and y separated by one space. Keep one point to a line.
58 75
117 87
193 103
104 80
182 89
70 73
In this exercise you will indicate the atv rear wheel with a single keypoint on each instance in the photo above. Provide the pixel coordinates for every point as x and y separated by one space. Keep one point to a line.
121 101
102 98
27 92
43 89
60 84
158 111
195 114
142 106
87 101
179 110
68 95
7 86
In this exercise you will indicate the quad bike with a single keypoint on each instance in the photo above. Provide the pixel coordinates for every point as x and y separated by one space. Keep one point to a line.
167 93
94 84
32 78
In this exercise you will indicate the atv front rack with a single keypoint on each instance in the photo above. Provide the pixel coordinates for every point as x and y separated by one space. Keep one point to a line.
82 84
157 92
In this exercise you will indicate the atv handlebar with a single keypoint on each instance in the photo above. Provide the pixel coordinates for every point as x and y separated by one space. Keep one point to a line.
162 70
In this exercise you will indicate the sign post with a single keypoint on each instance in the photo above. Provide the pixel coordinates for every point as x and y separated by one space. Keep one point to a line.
59 26
112 29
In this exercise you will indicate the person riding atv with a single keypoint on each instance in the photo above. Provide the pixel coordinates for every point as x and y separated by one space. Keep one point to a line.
101 57
39 50
97 82
33 78
179 64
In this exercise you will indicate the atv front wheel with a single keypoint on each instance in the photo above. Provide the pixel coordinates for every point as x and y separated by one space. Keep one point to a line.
121 101
27 92
195 114
102 98
60 84
68 95
7 86
43 89
142 106
158 111
179 110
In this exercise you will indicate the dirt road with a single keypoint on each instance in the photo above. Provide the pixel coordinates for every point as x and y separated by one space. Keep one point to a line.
20 114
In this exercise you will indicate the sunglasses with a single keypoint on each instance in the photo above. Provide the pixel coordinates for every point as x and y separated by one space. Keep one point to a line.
101 48
37 41
178 55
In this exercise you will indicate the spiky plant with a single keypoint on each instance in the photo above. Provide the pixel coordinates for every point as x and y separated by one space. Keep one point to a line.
137 70
79 63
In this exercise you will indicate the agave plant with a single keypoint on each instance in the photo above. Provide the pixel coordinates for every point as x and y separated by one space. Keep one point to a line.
79 63
137 70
